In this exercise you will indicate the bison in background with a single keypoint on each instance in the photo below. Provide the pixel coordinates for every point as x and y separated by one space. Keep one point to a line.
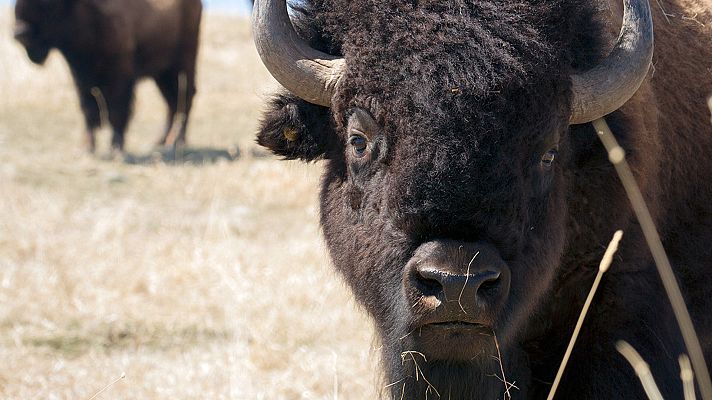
109 45
467 201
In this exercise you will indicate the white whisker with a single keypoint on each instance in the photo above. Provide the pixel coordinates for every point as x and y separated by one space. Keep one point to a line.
467 277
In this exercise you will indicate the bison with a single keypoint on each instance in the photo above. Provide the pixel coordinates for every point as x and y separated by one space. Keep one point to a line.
466 200
109 45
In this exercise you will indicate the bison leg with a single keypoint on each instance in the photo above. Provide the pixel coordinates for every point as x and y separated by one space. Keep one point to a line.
178 83
119 102
92 117
178 88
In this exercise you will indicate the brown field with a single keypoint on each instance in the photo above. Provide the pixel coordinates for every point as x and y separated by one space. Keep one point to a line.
204 280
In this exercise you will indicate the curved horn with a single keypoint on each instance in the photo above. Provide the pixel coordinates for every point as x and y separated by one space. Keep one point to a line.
306 72
607 86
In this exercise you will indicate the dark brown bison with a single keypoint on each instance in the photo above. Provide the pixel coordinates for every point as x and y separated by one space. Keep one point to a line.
109 45
466 199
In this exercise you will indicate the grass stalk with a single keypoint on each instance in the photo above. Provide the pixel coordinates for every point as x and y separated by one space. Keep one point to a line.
687 377
642 369
123 375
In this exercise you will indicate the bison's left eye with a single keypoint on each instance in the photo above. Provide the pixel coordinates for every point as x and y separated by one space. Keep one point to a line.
547 160
359 145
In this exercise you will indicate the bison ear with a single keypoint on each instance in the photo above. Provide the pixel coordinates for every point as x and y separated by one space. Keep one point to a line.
296 129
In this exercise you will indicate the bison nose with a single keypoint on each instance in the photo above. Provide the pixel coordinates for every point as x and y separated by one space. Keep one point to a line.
477 288
464 278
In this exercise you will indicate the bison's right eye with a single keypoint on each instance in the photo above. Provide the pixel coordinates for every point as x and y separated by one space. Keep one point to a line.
547 160
359 145
363 138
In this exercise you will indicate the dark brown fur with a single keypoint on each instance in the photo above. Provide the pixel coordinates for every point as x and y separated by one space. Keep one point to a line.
110 44
466 96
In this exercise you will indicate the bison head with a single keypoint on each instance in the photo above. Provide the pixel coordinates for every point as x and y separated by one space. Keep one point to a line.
39 25
446 133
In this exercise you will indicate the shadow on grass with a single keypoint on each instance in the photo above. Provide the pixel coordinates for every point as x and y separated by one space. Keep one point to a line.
185 155
74 342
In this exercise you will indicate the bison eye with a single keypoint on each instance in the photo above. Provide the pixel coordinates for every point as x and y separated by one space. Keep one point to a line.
359 145
547 160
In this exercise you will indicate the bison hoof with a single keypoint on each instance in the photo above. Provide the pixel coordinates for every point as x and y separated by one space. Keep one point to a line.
117 154
173 144
88 144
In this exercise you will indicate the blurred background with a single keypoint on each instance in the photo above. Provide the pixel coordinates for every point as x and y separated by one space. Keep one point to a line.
204 278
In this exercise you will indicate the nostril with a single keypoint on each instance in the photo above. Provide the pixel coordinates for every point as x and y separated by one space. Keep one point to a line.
488 276
490 283
428 287
428 281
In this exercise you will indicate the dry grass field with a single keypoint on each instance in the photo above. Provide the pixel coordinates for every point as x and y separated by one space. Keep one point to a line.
198 280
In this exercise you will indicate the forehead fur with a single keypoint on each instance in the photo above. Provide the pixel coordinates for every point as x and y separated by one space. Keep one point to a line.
444 58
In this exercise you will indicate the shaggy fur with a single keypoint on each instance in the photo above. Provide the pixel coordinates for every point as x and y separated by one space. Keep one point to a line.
465 98
109 45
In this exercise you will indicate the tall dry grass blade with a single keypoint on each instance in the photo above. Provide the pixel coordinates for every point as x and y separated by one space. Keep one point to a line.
507 385
123 375
602 268
642 369
687 377
419 371
617 157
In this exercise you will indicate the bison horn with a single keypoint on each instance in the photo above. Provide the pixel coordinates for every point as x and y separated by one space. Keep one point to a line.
306 72
607 86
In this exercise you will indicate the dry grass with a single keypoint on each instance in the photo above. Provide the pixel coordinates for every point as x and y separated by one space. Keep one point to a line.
198 281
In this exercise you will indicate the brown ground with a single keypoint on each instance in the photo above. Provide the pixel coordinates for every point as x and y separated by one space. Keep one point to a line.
199 281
